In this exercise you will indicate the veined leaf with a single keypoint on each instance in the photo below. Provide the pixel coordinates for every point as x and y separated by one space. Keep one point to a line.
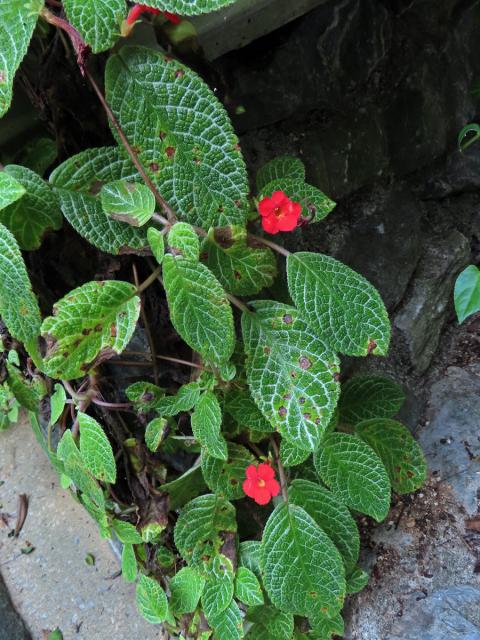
227 623
182 133
303 571
89 325
39 154
126 532
10 190
249 556
98 21
27 392
186 588
357 580
315 204
366 397
130 202
270 624
332 516
18 304
154 433
398 450
201 527
96 449
279 169
467 293
98 513
247 588
129 563
185 399
151 600
57 403
17 22
157 243
144 395
199 308
38 211
325 627
226 477
292 374
291 455
185 487
241 406
218 590
355 473
244 267
345 309
206 426
189 7
183 241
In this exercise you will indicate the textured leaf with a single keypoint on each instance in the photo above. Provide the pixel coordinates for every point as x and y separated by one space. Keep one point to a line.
280 168
17 22
185 399
183 241
144 394
331 516
339 303
78 182
226 478
7 400
126 532
98 21
182 133
30 217
151 600
75 468
130 202
27 392
218 590
398 450
96 449
355 473
10 190
270 624
247 587
227 625
242 266
366 397
129 563
326 627
206 426
315 204
189 7
199 308
303 570
39 154
89 325
186 588
291 455
155 432
185 487
157 243
357 580
57 403
201 527
249 556
467 293
18 304
98 513
241 406
292 374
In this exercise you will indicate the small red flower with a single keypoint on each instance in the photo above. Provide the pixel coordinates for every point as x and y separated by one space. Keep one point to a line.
260 483
279 213
137 10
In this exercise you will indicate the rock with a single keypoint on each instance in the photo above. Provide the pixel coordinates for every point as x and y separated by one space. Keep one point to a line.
12 626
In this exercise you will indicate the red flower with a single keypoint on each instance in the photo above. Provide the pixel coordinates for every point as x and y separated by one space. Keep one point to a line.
260 483
137 10
279 213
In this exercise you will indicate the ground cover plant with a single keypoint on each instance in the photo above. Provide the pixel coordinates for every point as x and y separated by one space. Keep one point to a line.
192 398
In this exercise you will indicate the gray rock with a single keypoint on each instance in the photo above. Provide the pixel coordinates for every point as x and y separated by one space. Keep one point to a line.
11 626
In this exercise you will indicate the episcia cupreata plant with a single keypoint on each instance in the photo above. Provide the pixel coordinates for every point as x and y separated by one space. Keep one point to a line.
234 496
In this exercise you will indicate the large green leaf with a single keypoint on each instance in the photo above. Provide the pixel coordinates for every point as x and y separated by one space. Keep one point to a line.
89 325
189 7
354 473
399 451
31 216
366 397
243 266
325 627
291 455
18 304
247 588
27 392
151 600
182 135
227 624
186 587
226 477
467 293
269 624
129 563
126 532
206 426
302 569
98 21
199 308
357 580
186 487
219 586
183 241
96 449
241 406
78 182
315 204
17 22
331 515
129 202
291 372
10 190
345 309
280 168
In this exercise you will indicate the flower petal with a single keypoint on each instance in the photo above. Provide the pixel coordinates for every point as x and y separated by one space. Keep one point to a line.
265 472
279 198
250 488
287 223
274 487
251 472
262 495
270 224
266 207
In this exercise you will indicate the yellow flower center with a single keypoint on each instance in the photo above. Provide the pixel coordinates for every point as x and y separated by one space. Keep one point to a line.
261 483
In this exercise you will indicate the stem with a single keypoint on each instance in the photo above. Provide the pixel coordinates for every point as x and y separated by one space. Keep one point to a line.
150 280
73 394
273 245
281 470
166 358
146 324
237 303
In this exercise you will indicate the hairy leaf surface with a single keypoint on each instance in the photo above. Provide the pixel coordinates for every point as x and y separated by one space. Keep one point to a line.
98 21
10 189
269 624
183 241
279 169
206 426
226 477
189 7
129 202
227 623
186 588
129 563
96 449
219 586
247 588
151 600
366 397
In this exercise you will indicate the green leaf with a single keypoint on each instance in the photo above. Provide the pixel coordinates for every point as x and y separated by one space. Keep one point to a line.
33 215
302 569
18 304
189 7
187 397
247 587
126 532
201 528
399 451
17 22
89 325
157 243
130 202
469 134
355 473
315 204
183 241
151 600
75 468
241 406
96 449
78 182
27 392
98 21
366 397
7 400
249 556
185 487
10 190
199 308
155 432
292 374
270 624
345 309
218 591
144 394
57 403
56 634
357 580
243 266
291 455
227 624
467 293
326 627
182 133
331 516
226 478
186 588
39 154
129 563
280 168
206 426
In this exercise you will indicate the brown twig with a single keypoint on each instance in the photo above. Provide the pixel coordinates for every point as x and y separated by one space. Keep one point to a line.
273 245
281 470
